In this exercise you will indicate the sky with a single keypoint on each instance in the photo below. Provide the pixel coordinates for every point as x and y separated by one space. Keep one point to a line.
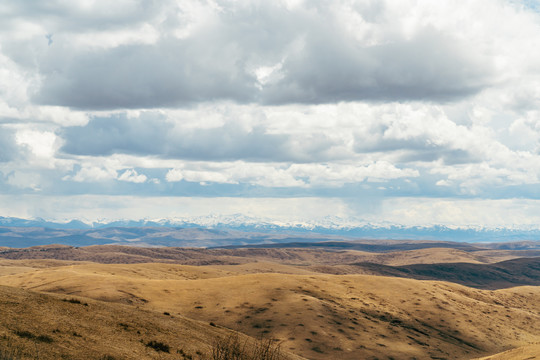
406 112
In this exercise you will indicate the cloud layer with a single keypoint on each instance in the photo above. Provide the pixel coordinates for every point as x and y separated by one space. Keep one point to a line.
379 100
248 52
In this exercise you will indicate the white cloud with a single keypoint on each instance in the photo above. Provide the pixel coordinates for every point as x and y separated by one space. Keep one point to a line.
174 175
41 144
25 180
92 173
130 175
199 175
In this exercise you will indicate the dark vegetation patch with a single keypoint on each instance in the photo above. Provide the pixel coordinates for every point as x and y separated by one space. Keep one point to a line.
525 271
28 335
158 346
75 301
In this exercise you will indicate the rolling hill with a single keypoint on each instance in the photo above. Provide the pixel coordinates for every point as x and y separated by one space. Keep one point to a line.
48 326
313 315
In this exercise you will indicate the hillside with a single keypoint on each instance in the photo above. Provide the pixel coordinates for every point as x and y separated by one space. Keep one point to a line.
47 326
484 276
527 352
477 268
317 316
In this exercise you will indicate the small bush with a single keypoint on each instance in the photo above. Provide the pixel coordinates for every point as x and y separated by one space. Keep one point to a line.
28 335
24 334
158 346
75 301
44 339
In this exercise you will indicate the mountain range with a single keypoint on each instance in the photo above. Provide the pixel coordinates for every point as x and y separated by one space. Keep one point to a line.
233 230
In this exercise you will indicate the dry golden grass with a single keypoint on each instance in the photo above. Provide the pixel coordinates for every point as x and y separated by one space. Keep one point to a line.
318 316
527 352
395 258
41 326
288 256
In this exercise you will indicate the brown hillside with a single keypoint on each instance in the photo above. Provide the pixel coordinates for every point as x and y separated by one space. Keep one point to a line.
42 326
527 352
317 316
110 254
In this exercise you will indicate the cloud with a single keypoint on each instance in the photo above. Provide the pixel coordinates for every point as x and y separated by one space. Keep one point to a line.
172 73
40 144
253 52
295 175
419 133
25 180
131 175
352 99
153 134
8 145
430 66
89 173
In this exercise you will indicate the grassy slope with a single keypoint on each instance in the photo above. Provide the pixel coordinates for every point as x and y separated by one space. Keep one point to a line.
315 315
527 352
41 326
123 254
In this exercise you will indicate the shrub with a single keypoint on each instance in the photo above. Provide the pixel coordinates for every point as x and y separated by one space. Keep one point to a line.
44 338
75 301
158 346
28 335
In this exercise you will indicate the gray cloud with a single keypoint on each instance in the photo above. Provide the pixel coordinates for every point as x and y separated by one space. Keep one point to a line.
418 148
117 134
8 146
147 76
447 155
73 16
431 66
320 63
153 135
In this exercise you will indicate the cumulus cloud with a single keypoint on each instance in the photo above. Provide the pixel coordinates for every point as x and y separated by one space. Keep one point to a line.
420 133
8 145
90 173
282 175
431 66
131 175
153 134
252 52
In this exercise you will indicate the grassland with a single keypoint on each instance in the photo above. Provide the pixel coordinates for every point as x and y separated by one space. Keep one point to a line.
314 303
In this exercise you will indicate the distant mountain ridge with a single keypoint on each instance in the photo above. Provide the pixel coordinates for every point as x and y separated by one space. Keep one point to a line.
327 229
